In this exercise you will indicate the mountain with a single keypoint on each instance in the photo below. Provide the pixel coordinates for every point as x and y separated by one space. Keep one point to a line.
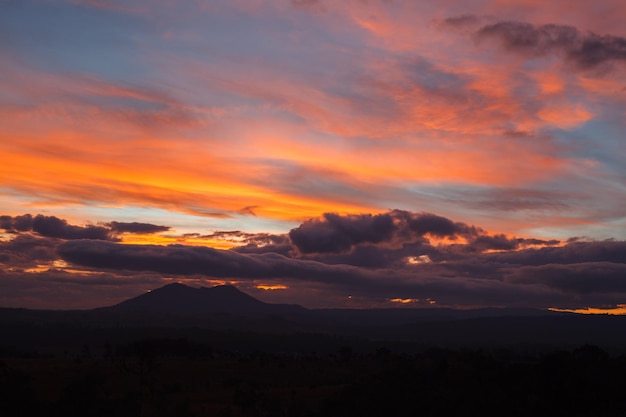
227 317
179 298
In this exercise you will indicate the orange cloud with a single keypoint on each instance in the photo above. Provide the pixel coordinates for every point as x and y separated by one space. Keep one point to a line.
272 287
151 239
70 152
619 310
294 142
566 117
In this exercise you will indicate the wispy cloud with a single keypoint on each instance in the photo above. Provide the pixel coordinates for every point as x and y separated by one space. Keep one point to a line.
173 123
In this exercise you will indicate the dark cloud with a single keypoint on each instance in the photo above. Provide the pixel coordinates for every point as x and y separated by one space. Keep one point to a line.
51 226
474 279
266 243
135 227
427 223
373 283
376 257
371 256
337 234
575 252
463 21
501 242
188 260
54 227
248 210
581 278
530 39
497 242
583 50
26 251
532 241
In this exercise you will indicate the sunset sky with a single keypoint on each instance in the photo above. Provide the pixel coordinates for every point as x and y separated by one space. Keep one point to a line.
366 153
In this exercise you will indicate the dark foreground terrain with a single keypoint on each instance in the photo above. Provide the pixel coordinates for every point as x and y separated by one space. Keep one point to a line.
179 377
218 352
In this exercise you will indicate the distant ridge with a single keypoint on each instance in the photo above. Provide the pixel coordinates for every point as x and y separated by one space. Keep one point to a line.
227 313
179 298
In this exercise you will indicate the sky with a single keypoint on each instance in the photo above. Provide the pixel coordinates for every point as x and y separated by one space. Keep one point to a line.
358 153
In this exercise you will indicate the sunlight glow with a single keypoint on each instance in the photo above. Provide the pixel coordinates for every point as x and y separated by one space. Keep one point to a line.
268 287
619 310
404 300
412 301
153 239
418 260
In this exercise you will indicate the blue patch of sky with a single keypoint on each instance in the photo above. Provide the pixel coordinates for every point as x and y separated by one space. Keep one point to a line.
65 38
124 103
431 77
293 43
595 232
597 140
212 37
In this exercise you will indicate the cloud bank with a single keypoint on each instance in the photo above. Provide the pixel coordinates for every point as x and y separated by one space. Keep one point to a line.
374 258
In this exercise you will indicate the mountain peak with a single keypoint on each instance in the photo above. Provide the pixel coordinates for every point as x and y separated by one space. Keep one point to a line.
174 285
180 298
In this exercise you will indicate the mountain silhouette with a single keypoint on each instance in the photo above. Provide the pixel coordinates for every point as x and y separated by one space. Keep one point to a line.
177 309
179 298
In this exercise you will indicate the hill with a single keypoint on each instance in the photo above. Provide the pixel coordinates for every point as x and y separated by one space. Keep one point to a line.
178 298
227 317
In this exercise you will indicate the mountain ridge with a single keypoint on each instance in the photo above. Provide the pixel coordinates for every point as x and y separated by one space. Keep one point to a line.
225 312
180 298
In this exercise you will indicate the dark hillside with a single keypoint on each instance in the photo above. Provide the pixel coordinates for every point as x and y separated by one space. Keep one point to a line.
179 298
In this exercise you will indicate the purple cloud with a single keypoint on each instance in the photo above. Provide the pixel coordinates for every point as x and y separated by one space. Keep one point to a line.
136 227
51 226
583 50
375 257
